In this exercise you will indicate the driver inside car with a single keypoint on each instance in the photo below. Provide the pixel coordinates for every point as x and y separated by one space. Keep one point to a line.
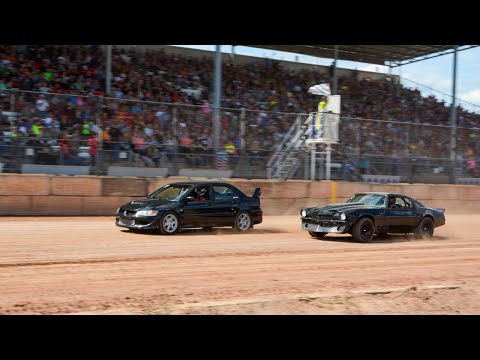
391 202
200 194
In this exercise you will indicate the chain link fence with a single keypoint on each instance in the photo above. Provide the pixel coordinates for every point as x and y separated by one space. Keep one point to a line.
101 132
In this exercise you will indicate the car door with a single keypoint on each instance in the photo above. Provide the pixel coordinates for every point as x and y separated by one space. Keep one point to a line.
413 216
407 214
225 204
378 210
197 212
401 215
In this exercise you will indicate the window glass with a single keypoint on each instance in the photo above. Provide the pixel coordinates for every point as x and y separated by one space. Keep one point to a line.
368 199
170 192
223 193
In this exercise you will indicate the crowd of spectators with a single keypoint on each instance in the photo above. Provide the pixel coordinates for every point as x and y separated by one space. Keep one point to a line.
62 102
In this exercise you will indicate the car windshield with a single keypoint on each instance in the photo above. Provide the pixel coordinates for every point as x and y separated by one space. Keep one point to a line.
368 199
170 192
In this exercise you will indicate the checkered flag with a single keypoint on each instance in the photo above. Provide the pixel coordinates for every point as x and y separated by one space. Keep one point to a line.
321 89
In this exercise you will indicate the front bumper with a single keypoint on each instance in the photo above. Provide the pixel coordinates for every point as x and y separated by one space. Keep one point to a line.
137 223
326 226
439 221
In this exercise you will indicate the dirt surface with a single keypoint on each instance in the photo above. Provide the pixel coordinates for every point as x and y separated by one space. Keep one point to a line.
87 265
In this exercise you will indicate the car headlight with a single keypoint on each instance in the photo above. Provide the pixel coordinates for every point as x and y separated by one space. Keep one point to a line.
147 213
343 216
303 213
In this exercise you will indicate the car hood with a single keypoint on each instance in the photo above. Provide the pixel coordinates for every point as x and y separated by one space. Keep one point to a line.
149 204
336 208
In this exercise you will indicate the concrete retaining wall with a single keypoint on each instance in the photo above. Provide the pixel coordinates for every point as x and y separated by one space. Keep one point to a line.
38 195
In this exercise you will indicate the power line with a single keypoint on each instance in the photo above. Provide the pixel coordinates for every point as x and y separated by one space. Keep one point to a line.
441 92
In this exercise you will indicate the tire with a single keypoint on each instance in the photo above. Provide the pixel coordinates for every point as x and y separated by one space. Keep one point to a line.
169 223
424 230
318 235
363 230
243 222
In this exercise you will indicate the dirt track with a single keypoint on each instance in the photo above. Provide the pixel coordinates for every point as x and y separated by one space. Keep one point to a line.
87 265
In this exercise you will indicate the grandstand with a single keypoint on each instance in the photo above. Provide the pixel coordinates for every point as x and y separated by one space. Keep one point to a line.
54 106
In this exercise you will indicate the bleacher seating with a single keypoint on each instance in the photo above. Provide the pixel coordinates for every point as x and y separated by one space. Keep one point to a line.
137 171
365 96
467 181
383 179
431 179
55 169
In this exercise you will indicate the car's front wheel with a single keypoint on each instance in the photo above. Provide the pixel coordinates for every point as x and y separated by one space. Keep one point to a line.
169 224
243 221
363 230
424 229
318 235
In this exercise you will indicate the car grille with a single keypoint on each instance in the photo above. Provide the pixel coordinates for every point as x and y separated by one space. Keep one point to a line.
142 221
324 222
127 222
323 217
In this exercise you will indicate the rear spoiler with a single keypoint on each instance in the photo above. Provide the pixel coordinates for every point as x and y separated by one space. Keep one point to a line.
257 192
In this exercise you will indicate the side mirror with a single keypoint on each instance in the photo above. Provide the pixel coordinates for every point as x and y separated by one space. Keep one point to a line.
189 198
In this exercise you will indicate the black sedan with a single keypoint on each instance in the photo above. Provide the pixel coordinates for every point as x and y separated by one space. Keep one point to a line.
370 213
191 205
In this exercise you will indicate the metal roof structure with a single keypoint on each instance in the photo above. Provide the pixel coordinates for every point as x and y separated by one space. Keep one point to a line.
389 55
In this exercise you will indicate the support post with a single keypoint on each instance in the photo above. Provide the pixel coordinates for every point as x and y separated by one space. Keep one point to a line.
242 132
175 139
329 160
453 119
108 75
335 81
312 161
216 98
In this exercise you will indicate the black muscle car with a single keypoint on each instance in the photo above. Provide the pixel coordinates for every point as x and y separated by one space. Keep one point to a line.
190 205
370 213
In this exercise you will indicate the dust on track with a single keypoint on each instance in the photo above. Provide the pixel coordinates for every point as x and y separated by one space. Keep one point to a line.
59 265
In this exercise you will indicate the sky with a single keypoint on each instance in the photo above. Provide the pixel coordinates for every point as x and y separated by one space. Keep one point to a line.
432 76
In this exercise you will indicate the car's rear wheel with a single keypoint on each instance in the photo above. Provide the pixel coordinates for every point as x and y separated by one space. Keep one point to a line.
363 230
169 224
243 221
318 235
424 230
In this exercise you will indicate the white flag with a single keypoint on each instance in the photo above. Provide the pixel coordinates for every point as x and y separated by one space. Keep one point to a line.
321 89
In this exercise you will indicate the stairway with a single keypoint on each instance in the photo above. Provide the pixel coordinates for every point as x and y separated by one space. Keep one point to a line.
286 159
